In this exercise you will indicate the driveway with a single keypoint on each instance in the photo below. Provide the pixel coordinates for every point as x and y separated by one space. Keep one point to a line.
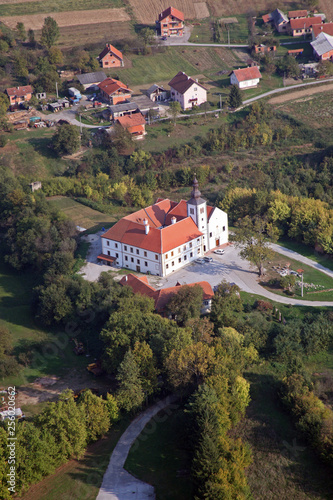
118 484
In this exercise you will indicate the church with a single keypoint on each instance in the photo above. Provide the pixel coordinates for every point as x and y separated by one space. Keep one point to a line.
166 236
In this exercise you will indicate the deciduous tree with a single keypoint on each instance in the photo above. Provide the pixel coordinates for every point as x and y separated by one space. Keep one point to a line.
50 32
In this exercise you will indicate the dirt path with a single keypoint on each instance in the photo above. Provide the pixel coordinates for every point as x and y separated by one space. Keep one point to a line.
300 93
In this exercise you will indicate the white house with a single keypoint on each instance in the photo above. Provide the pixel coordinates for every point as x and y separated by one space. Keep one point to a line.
186 91
245 78
166 236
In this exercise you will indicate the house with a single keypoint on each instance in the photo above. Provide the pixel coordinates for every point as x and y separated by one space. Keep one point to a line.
157 93
110 57
299 27
171 22
245 78
322 28
135 124
91 80
139 284
59 105
123 109
19 94
166 236
114 91
186 91
263 49
323 47
41 95
279 20
297 14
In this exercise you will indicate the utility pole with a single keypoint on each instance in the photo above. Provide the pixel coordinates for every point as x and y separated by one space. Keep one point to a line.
80 125
57 90
220 101
228 37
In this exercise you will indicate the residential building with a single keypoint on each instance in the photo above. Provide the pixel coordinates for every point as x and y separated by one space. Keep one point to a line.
297 14
134 123
139 284
166 236
117 110
323 47
299 27
278 19
145 104
322 28
19 94
171 22
157 93
114 91
110 57
245 78
186 91
91 80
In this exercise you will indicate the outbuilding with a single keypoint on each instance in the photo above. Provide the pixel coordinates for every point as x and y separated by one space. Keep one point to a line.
245 78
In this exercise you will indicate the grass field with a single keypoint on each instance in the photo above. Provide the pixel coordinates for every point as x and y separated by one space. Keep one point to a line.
160 457
97 34
82 216
307 251
49 6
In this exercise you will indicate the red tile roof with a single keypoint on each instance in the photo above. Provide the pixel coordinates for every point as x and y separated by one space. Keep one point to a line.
322 28
266 18
171 11
19 91
298 24
110 48
161 297
131 120
164 296
297 13
181 82
108 258
179 211
110 86
245 74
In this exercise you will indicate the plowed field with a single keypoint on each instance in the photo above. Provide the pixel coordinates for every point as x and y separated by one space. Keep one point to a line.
72 18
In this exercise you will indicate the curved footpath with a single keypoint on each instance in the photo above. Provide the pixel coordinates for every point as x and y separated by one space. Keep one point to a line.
118 484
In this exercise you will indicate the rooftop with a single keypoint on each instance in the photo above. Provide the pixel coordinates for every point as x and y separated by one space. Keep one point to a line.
245 74
88 78
19 91
131 120
110 48
322 44
307 22
322 28
181 82
110 86
297 13
171 11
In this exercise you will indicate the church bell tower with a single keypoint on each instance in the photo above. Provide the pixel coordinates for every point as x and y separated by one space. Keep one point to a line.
197 209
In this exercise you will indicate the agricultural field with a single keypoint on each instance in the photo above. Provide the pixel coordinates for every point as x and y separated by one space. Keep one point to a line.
82 216
19 7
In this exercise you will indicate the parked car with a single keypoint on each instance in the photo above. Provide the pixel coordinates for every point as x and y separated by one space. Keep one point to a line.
208 259
200 261
219 251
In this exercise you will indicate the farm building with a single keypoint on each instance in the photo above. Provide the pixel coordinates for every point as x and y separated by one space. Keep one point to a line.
91 80
323 47
297 14
139 284
19 94
114 91
278 19
171 22
186 91
299 27
245 78
322 28
123 109
135 124
166 236
157 93
145 104
110 57
263 49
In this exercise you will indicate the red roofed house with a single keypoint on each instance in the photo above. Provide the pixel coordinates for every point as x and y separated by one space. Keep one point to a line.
322 28
139 284
110 57
134 123
299 27
245 78
297 14
166 236
19 94
114 91
186 91
171 22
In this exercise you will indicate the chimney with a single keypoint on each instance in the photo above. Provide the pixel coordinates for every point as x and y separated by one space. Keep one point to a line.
145 223
173 220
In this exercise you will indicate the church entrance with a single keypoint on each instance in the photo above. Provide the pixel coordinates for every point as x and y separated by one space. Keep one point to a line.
217 242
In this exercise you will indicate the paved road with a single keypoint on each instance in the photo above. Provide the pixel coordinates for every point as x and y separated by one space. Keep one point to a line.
294 255
118 484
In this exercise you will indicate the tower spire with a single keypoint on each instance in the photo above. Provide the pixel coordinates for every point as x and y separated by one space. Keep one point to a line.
195 192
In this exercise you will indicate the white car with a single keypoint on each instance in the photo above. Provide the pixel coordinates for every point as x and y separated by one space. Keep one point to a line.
219 251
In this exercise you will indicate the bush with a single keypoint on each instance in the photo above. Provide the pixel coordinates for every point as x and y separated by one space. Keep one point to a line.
3 141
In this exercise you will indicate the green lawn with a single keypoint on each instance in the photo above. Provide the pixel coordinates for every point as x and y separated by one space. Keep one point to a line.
307 251
238 32
48 6
155 68
160 457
